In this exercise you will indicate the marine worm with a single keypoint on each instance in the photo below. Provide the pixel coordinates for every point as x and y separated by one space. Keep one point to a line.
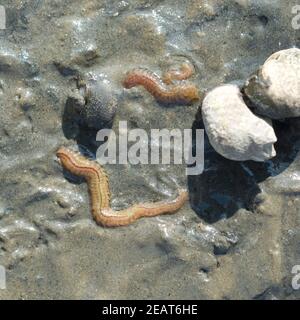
99 193
185 72
167 94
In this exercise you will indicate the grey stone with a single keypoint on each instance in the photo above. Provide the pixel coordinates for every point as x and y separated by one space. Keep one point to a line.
275 89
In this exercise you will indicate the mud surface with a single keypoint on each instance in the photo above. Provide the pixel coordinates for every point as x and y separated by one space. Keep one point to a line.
239 235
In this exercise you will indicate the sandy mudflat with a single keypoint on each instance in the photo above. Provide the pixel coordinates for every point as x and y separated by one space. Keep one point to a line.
238 237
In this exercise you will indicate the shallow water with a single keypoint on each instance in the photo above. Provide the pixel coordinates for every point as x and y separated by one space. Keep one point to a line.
239 235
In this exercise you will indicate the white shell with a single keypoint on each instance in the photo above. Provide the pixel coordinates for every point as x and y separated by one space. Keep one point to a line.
233 130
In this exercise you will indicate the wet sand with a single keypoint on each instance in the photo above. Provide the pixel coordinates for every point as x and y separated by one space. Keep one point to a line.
237 238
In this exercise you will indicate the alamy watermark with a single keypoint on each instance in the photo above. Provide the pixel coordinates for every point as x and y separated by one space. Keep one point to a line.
2 18
163 146
296 278
296 19
2 278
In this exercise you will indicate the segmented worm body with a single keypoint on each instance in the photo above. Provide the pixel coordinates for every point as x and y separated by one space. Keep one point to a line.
100 194
167 94
185 72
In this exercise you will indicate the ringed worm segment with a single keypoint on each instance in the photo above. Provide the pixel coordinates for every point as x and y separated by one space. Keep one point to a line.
186 93
99 193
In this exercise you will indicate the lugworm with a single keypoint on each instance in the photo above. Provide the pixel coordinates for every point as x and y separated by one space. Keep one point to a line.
99 192
185 72
167 94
